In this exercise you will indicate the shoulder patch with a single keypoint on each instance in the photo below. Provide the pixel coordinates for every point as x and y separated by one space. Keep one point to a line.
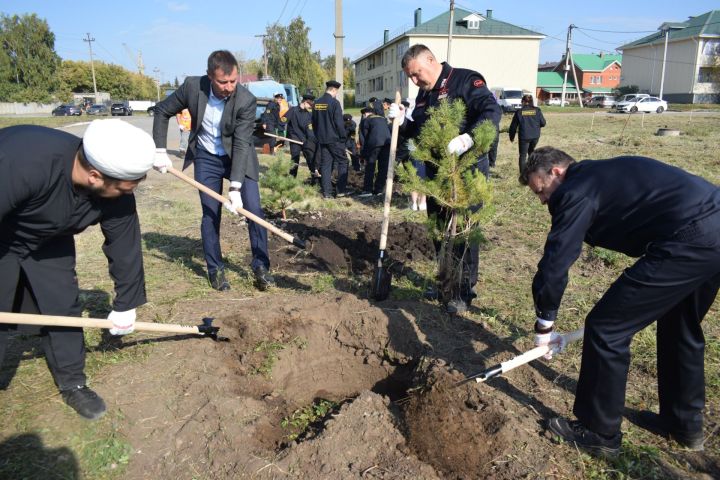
479 83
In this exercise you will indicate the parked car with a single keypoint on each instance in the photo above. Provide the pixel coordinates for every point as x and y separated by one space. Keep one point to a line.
120 109
65 110
645 104
602 101
151 111
555 101
97 110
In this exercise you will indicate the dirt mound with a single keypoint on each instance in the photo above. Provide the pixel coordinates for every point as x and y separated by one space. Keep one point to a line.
338 243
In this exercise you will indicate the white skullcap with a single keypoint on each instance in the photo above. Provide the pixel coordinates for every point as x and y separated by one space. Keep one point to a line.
118 149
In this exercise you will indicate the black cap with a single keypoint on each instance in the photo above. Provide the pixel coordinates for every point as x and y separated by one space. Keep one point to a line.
405 103
347 116
366 110
308 98
387 100
280 95
372 99
333 84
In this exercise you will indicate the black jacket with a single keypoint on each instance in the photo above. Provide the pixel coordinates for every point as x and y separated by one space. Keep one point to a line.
376 132
299 124
529 120
40 211
621 204
455 83
237 124
327 121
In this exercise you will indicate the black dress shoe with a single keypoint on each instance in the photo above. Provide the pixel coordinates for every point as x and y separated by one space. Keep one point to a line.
457 306
218 281
84 401
263 279
576 433
654 423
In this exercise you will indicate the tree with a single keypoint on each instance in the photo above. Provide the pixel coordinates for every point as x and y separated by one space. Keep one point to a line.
280 189
28 61
122 84
290 58
328 64
458 187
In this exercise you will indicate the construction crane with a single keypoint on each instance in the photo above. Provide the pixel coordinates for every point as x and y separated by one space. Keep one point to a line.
137 61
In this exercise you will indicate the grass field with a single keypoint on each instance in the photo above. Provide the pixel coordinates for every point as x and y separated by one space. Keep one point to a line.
174 265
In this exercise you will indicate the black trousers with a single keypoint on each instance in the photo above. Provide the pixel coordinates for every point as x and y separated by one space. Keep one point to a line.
64 346
673 284
469 257
332 157
308 151
492 153
351 146
525 148
376 156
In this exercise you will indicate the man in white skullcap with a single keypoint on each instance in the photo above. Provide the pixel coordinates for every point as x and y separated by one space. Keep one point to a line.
53 186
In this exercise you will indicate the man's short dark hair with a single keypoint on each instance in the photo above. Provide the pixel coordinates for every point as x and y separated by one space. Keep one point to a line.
222 59
527 100
414 52
543 160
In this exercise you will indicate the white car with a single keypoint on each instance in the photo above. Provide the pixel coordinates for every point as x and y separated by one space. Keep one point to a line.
645 104
555 101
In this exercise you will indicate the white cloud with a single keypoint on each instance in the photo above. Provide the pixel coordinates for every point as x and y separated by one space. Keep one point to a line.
178 7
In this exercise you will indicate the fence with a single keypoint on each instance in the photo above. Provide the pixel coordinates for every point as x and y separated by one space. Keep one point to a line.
8 108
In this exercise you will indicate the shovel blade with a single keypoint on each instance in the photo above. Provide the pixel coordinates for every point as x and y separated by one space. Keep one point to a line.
380 288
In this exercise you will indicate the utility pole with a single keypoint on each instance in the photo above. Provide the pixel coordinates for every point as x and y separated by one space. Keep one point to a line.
156 71
450 29
662 74
265 56
92 65
339 60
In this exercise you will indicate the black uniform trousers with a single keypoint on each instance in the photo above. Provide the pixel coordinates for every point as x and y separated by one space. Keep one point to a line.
351 146
526 146
379 156
332 157
492 153
469 257
675 284
64 346
308 151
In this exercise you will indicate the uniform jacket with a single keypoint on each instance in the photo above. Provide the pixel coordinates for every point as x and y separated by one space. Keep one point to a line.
376 132
299 124
40 211
529 120
327 120
622 204
350 130
271 117
237 124
455 83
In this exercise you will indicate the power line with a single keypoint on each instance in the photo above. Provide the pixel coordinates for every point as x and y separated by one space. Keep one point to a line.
282 11
615 31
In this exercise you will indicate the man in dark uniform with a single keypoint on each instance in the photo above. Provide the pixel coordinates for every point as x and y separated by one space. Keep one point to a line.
438 81
220 146
327 122
299 127
376 151
671 221
270 120
56 185
528 120
351 140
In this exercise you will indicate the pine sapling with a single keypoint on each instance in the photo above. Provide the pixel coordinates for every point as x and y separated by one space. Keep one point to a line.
280 189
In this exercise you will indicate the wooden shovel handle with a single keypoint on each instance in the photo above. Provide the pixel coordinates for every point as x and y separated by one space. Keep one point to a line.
249 215
58 321
397 121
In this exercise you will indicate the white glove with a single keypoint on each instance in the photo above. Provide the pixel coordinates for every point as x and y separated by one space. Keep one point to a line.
554 340
123 322
162 161
395 110
460 144
235 198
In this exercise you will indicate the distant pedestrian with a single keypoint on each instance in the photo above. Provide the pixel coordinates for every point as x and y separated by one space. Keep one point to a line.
329 128
527 122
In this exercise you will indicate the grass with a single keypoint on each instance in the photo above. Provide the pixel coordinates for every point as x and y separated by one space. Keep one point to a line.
302 419
53 122
39 434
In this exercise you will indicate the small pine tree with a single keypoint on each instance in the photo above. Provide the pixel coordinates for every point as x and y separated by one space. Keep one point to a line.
280 189
458 187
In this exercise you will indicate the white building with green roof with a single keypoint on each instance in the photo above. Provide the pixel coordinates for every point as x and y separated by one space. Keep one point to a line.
506 55
691 63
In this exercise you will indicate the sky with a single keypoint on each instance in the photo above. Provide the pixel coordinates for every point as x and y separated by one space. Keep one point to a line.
175 37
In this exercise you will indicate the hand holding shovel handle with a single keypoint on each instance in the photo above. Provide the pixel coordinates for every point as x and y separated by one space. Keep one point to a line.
249 215
522 359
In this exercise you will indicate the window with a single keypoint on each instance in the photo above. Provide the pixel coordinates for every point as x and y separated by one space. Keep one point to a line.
473 24
706 74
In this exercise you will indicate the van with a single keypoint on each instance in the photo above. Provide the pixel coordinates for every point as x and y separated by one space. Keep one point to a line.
602 101
509 99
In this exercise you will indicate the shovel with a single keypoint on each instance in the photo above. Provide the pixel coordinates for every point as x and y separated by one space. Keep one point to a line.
249 215
526 357
382 277
279 137
204 330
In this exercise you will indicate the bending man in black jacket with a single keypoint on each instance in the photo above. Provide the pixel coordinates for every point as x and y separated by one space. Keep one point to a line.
56 185
671 221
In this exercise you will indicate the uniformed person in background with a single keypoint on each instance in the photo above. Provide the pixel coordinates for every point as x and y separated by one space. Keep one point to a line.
527 122
376 152
351 140
437 81
668 218
271 122
327 122
56 185
299 127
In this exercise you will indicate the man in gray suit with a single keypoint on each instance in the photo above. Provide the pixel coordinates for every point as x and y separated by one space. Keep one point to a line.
220 146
